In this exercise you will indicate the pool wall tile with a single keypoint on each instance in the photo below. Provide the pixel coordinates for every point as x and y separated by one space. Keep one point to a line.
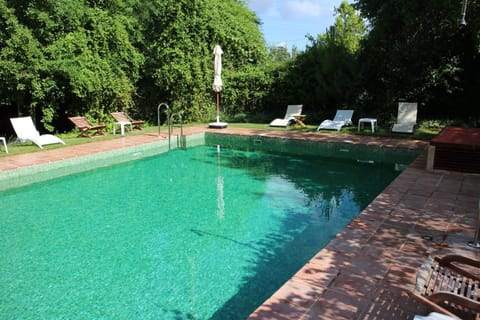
346 150
33 174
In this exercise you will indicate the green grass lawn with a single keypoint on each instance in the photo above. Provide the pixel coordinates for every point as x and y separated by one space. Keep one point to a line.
73 139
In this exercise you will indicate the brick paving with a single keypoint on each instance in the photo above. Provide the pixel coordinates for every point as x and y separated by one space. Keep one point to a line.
367 270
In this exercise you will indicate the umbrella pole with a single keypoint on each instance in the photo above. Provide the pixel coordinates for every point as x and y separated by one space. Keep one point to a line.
218 106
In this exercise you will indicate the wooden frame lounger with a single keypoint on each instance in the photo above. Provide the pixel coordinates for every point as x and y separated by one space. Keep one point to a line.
122 117
449 285
84 126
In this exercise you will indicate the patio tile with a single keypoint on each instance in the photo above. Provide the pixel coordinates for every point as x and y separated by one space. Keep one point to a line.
401 276
331 259
443 205
470 186
391 236
346 246
336 305
316 274
299 293
413 201
381 253
368 266
354 284
415 250
403 218
467 202
391 302
275 310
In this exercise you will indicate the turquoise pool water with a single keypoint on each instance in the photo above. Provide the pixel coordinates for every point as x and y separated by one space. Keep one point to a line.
203 233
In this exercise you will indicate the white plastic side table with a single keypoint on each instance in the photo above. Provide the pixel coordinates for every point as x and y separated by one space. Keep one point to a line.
372 121
122 125
4 143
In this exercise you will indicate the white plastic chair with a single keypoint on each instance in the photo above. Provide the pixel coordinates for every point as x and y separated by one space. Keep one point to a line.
292 111
2 139
26 131
406 118
342 118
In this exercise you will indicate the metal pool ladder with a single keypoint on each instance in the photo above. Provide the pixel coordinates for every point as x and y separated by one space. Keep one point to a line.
170 116
169 122
181 143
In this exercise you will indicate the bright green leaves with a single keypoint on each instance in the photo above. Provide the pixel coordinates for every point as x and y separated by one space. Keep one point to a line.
21 60
179 39
416 50
69 57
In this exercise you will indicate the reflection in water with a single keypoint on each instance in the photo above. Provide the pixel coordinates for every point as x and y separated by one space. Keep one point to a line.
333 206
220 198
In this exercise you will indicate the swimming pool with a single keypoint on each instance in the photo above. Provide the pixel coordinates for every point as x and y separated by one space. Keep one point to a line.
203 233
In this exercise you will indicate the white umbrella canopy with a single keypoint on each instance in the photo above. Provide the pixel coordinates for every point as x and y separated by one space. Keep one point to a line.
217 84
217 80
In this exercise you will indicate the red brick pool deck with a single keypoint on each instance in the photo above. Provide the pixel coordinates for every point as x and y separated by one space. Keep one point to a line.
367 270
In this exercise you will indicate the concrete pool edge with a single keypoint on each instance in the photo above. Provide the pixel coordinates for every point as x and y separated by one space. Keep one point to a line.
69 164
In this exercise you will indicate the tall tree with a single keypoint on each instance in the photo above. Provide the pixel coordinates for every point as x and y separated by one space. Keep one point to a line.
349 28
66 57
21 62
179 41
325 76
417 51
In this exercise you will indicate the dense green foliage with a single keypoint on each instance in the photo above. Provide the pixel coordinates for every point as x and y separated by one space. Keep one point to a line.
326 76
413 50
417 51
60 58
69 57
179 39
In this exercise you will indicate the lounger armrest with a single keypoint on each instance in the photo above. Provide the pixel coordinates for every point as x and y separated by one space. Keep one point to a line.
437 283
432 305
441 296
454 262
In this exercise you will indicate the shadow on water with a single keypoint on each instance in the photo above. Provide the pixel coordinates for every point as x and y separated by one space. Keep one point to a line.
204 233
280 255
274 262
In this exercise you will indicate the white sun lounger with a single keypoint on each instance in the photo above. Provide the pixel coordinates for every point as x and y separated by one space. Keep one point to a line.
342 118
407 118
26 131
292 111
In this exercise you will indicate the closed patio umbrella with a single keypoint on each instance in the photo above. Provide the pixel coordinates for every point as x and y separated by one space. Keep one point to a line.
217 85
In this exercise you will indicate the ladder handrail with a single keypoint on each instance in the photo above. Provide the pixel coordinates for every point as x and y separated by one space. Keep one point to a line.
162 104
181 126
181 121
169 121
